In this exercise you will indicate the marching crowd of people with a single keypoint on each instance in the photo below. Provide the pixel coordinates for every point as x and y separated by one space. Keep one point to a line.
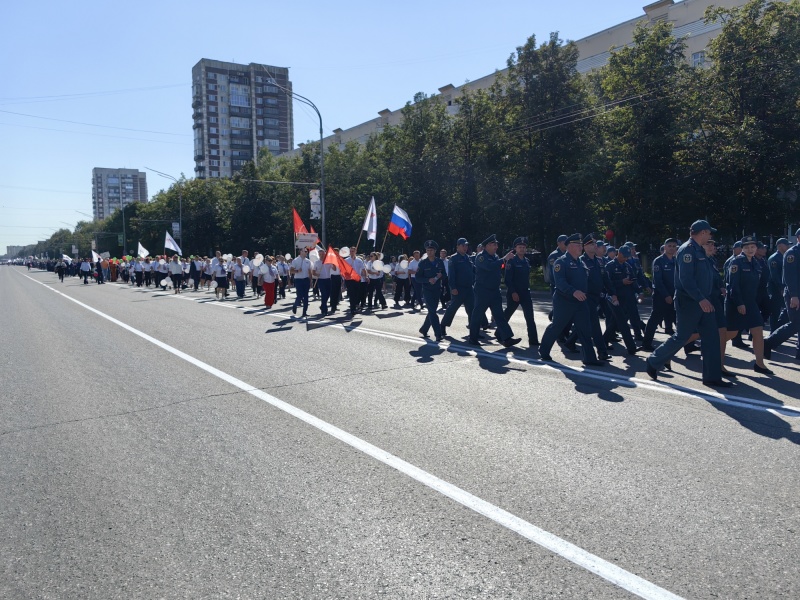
693 299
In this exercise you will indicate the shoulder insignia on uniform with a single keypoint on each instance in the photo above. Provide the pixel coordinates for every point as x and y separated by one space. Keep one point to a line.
734 268
557 268
790 258
480 258
656 268
687 258
552 260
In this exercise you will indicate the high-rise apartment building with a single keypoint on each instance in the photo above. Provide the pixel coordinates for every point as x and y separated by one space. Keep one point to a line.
238 109
114 188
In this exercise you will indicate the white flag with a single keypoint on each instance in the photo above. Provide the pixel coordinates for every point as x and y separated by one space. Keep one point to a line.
142 252
66 258
371 221
171 244
95 257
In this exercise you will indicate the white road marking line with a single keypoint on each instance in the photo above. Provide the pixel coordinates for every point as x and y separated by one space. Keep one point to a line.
575 554
621 380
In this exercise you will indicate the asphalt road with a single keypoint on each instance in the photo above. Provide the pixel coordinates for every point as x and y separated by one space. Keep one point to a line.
162 446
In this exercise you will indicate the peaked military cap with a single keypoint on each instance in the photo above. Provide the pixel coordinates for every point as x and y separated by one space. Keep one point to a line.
462 242
520 241
749 239
702 225
629 244
760 245
588 239
575 238
492 239
563 238
611 249
782 241
670 241
600 243
737 244
431 244
625 251
797 233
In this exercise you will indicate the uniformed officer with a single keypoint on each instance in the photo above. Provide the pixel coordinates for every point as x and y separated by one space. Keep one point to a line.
488 269
777 313
621 284
694 311
791 297
430 274
461 279
561 248
737 250
741 304
596 292
642 284
570 303
663 290
518 288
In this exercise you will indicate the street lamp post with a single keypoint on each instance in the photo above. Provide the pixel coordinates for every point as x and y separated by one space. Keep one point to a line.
308 102
180 202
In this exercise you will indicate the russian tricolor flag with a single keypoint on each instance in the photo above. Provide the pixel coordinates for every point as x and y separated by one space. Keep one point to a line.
400 223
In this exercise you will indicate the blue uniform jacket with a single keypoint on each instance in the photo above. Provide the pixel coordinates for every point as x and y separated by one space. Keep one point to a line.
791 271
462 272
551 260
664 276
694 276
430 269
570 275
597 280
488 271
743 280
517 277
776 275
616 272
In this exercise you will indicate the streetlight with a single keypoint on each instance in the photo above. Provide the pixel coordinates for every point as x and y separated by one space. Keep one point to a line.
180 202
308 102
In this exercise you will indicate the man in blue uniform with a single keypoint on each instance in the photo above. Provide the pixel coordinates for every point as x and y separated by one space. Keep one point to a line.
777 314
663 290
642 284
791 297
488 269
461 279
429 277
561 248
694 284
570 303
621 284
737 250
518 288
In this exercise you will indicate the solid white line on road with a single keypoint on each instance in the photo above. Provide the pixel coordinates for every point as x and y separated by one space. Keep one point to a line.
608 571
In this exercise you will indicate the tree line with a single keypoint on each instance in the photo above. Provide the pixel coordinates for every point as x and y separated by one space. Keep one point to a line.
641 147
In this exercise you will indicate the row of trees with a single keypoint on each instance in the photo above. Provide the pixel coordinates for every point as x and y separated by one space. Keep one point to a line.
643 147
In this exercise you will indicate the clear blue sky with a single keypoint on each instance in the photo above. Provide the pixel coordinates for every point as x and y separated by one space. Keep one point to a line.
127 67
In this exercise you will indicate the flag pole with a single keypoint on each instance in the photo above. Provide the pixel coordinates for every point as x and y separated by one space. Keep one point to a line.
359 239
384 240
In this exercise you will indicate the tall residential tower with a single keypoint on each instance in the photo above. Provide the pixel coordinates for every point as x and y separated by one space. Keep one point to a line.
238 109
114 188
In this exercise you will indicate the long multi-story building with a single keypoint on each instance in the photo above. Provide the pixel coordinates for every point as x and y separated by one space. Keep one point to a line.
239 109
114 188
687 18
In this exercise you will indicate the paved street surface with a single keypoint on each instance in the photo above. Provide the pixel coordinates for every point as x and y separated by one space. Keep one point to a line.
163 446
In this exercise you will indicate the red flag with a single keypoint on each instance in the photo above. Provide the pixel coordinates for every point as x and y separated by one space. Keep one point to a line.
332 258
298 223
312 231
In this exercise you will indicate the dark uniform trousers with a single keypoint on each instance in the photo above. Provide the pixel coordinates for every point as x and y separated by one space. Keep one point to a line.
661 312
778 314
336 291
691 319
787 330
432 319
566 311
466 297
492 300
620 322
526 303
353 293
324 286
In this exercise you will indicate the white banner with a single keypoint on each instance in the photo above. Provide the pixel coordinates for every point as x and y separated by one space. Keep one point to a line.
142 252
306 240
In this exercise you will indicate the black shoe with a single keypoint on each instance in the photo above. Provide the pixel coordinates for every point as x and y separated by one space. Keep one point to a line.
444 331
648 347
603 356
423 333
718 383
294 310
473 342
739 344
633 351
767 352
797 356
651 371
689 348
510 342
439 338
729 374
545 357
762 370
594 363
571 348
533 343
668 365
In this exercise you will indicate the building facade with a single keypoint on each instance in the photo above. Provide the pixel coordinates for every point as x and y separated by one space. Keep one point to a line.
12 251
593 51
114 188
238 109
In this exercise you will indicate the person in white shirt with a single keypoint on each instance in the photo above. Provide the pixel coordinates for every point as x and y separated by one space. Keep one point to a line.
336 285
266 276
138 272
283 273
376 278
176 273
402 283
354 287
86 269
239 277
147 269
252 278
322 272
413 265
220 273
445 295
301 270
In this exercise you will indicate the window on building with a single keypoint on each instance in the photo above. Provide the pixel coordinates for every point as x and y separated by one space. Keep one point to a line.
224 110
271 100
212 119
271 122
213 163
212 130
213 109
214 141
273 143
699 58
212 98
270 89
214 152
212 87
